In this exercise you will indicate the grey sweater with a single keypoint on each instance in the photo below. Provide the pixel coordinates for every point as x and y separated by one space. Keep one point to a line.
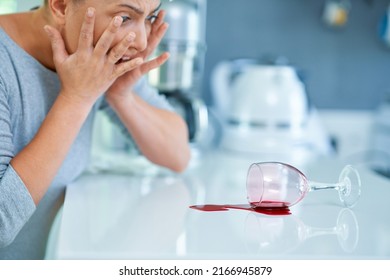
27 92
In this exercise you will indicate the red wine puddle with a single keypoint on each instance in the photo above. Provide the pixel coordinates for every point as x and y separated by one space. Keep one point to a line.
275 211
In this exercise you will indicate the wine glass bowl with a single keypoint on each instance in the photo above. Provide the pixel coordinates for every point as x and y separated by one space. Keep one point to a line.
277 184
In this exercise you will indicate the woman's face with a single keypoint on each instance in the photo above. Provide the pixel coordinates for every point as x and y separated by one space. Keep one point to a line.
137 16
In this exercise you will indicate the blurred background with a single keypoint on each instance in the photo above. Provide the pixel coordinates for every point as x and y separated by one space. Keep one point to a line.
345 66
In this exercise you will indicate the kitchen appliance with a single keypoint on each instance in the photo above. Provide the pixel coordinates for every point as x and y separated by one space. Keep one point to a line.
384 27
180 78
379 157
264 109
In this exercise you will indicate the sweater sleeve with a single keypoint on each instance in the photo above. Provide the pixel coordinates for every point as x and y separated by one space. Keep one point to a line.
149 95
16 203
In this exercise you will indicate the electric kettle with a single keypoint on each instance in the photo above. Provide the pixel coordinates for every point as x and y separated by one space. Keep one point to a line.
263 107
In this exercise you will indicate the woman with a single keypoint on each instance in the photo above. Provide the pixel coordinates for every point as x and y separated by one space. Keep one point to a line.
59 64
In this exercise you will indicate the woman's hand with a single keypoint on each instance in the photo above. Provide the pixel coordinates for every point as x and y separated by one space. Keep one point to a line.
160 135
123 85
88 72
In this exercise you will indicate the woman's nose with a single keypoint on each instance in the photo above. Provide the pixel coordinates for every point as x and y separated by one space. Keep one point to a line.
141 38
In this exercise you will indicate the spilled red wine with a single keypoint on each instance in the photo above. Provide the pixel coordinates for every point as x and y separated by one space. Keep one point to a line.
276 211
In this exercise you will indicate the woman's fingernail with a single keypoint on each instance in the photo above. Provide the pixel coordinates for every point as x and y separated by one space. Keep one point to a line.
47 29
138 61
130 37
117 21
90 12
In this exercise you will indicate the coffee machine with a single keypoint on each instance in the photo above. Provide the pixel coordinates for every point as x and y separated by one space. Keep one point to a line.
180 78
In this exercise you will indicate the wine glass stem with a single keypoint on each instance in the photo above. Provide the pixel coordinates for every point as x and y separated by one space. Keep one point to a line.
312 232
315 186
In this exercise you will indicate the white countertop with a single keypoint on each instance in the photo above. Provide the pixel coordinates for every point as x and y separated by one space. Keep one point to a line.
128 216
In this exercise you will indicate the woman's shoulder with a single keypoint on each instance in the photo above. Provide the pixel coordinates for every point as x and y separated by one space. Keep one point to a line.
5 58
6 54
15 62
7 46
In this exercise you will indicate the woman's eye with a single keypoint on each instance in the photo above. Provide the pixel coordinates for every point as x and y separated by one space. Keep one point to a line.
151 18
125 18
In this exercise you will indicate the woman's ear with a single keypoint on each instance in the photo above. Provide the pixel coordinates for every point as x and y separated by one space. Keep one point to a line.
57 9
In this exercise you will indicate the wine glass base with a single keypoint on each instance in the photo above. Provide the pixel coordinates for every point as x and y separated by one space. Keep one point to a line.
350 186
347 230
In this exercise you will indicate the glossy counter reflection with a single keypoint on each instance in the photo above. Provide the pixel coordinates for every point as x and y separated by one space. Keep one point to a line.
113 216
279 235
119 214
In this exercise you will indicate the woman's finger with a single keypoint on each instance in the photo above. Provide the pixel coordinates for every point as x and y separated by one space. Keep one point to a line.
87 28
105 41
154 63
155 39
125 67
57 44
117 52
159 20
